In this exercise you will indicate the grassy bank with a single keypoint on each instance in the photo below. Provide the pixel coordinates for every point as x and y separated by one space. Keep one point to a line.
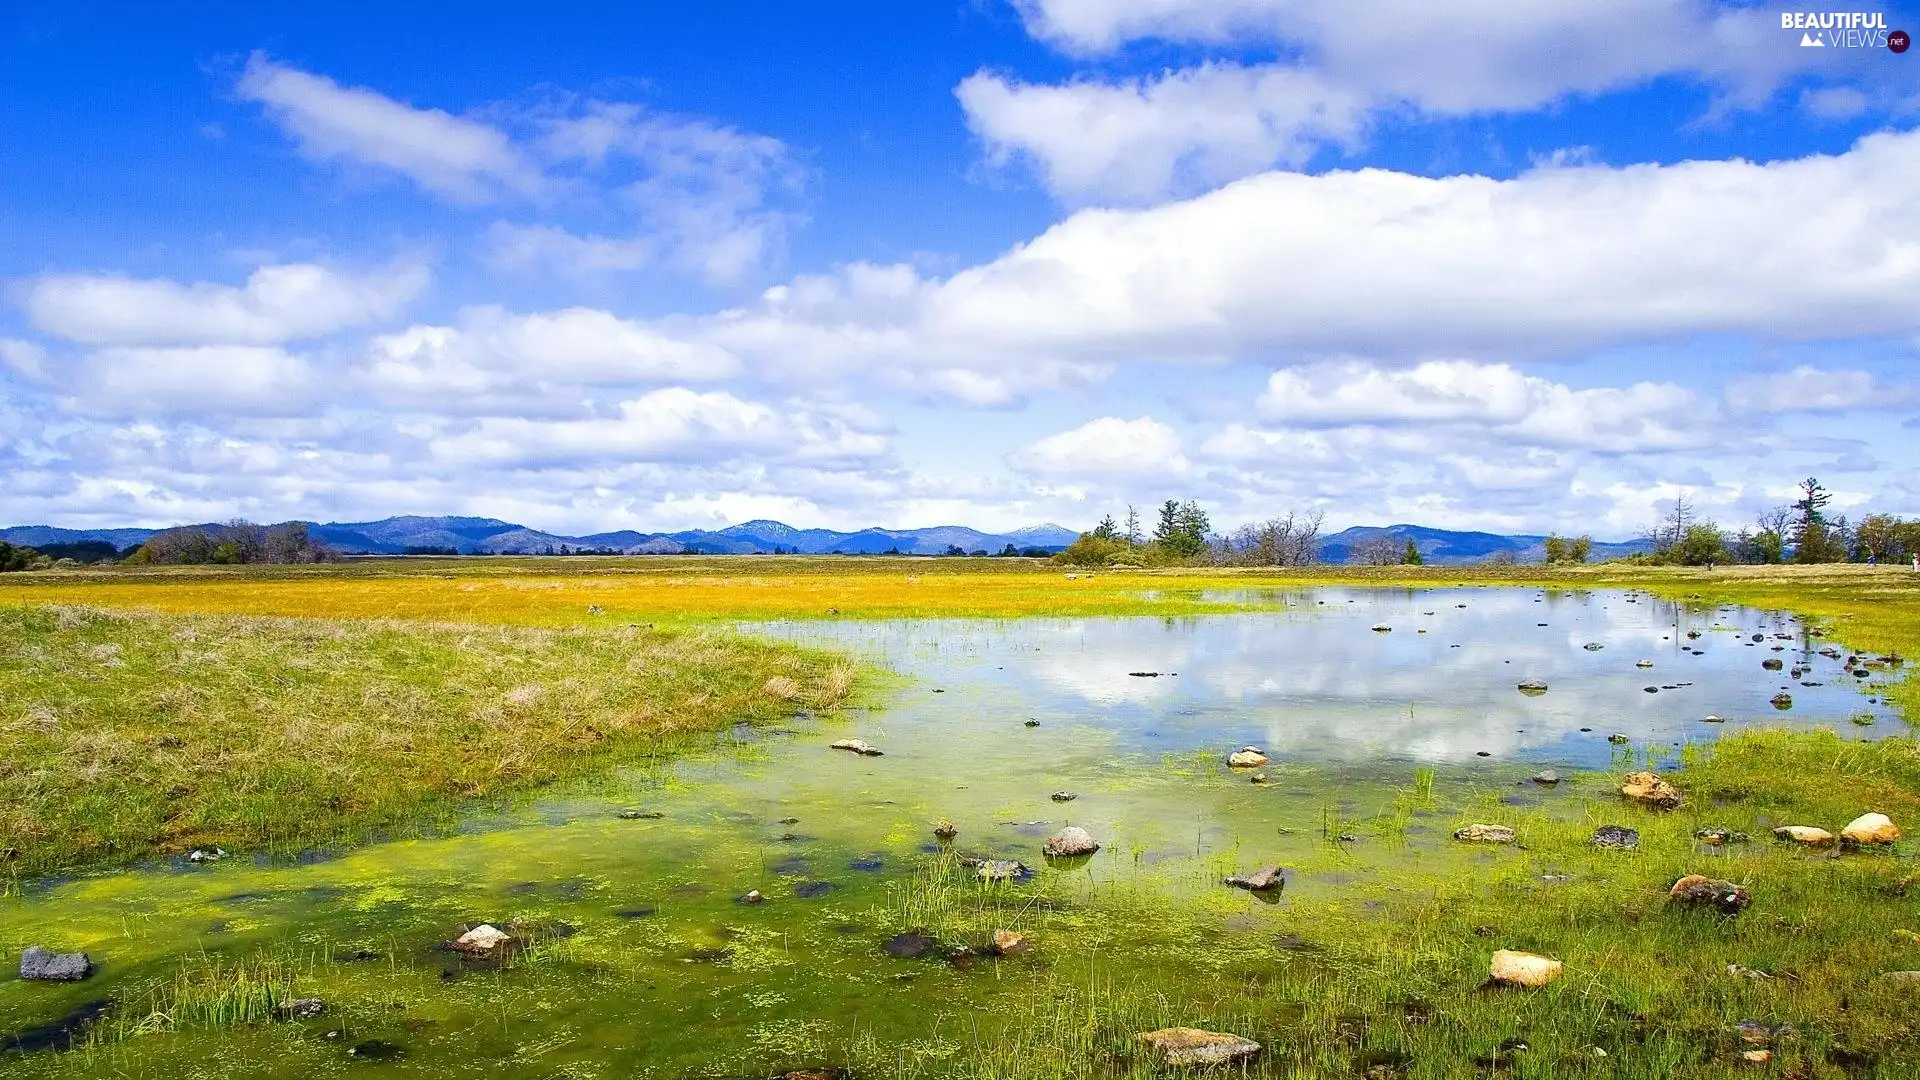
128 734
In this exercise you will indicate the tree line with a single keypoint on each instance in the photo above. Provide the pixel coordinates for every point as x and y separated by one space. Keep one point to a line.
1799 532
1183 535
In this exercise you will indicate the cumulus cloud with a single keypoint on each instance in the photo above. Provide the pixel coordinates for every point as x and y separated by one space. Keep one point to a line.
1106 448
671 424
26 359
493 357
1388 265
204 380
1815 390
1498 397
1434 57
1184 130
277 304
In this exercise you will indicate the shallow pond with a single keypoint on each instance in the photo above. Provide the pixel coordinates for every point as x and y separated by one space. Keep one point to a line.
644 960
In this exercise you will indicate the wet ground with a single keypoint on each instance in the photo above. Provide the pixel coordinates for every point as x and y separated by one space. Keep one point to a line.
643 959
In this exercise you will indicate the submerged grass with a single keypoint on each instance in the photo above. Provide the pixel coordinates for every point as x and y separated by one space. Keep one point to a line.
1385 975
128 735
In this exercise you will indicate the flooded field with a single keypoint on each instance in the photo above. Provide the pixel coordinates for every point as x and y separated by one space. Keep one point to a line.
775 904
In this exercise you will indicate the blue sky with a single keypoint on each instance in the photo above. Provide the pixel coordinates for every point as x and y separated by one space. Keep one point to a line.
602 266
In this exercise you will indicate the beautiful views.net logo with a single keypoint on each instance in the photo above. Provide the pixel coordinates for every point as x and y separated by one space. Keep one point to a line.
1844 30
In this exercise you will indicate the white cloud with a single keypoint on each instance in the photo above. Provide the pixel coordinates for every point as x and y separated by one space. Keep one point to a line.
206 380
1107 448
1282 267
696 195
1181 130
1834 102
277 304
24 358
1434 57
709 198
1810 389
1518 407
492 352
458 158
671 424
511 246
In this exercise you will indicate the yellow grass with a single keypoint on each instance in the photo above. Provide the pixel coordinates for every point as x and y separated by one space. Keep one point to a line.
1878 601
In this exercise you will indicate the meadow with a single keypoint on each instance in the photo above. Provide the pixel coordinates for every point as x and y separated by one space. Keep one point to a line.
152 711
130 735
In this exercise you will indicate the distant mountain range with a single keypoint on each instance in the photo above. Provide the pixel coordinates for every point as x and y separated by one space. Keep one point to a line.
490 536
1444 547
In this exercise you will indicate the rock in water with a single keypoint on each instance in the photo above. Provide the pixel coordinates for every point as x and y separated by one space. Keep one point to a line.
303 1008
1484 834
1069 842
1064 796
1804 834
1712 719
482 939
1593 646
1546 778
1698 890
1260 880
1247 757
911 945
857 746
945 830
1008 943
1618 837
1381 628
1525 970
1533 686
1782 700
1870 829
1651 790
1185 1047
1001 870
1772 664
45 965
1643 663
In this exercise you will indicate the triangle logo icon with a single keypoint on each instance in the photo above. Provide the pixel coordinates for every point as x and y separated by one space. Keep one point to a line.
1808 41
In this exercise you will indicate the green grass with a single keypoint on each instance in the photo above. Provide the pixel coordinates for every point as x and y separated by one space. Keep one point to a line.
1388 972
128 735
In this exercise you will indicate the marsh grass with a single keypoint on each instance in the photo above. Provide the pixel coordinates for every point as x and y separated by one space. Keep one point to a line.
1388 971
1875 603
128 735
210 994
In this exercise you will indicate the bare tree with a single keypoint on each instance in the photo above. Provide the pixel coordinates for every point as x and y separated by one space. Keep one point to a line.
1671 529
1293 540
1378 551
